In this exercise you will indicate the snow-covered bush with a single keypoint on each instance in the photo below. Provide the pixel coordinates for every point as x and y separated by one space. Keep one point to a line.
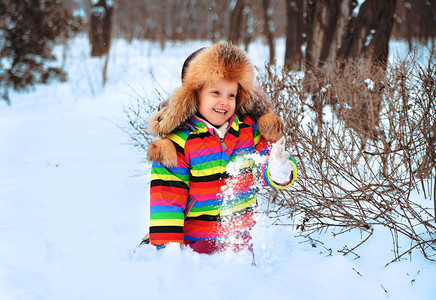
364 140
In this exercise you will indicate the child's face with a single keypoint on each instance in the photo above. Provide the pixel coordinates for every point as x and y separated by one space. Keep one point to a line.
217 101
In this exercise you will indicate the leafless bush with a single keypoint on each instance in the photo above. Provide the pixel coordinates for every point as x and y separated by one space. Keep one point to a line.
364 140
137 113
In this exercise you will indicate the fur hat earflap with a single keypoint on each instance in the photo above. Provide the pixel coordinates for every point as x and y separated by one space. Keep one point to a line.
163 151
271 126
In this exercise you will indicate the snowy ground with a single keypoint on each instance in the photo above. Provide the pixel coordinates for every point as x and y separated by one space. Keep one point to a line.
74 204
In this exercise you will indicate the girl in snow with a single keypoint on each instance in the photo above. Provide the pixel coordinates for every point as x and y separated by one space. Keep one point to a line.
216 130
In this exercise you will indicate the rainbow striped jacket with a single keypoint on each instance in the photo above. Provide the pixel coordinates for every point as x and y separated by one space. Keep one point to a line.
210 194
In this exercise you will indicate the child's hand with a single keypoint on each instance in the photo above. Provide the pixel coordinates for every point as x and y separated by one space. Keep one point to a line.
279 166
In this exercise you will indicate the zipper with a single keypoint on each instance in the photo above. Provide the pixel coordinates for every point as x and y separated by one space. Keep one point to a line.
223 145
188 208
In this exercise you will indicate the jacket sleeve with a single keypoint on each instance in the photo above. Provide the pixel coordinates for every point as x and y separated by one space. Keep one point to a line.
169 188
263 148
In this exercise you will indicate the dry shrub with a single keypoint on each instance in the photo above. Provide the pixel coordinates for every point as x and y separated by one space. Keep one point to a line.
137 113
364 139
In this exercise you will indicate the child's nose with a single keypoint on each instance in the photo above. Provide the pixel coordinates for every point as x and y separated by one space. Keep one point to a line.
224 100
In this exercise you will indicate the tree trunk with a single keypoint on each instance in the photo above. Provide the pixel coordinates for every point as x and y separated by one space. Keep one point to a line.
236 22
247 30
369 33
101 28
294 34
344 11
269 32
326 26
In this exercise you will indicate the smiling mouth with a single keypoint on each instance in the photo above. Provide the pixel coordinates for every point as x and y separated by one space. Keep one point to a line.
220 111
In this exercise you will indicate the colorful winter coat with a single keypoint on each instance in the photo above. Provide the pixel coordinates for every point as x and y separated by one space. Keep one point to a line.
203 197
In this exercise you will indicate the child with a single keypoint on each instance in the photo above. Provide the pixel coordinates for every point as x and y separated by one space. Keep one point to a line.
213 128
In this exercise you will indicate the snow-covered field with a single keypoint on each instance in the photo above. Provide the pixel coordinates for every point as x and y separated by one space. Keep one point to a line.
74 204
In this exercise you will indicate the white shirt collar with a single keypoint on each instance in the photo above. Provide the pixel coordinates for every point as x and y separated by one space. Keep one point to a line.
220 131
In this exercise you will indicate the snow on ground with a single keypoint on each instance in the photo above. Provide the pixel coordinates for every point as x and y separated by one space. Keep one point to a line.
74 205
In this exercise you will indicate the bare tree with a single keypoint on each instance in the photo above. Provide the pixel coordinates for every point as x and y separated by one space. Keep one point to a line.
415 21
269 30
326 25
236 22
101 27
368 34
247 31
294 34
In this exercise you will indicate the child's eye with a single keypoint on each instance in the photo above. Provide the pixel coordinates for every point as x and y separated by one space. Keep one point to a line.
215 92
232 95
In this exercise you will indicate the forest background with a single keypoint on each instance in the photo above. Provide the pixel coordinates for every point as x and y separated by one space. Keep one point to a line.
357 172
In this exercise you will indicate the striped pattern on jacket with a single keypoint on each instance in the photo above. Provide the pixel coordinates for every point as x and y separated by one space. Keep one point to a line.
199 199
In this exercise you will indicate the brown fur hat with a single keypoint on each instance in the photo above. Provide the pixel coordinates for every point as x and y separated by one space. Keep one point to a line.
222 60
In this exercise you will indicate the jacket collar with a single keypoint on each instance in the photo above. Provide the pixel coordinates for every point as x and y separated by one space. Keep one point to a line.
198 124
